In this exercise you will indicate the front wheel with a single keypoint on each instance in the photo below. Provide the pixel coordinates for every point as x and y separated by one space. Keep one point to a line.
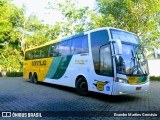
81 86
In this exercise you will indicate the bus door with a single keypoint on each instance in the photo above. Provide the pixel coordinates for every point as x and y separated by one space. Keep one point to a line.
102 60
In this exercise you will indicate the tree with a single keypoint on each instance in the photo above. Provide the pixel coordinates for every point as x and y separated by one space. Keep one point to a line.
75 19
11 19
11 59
139 16
36 33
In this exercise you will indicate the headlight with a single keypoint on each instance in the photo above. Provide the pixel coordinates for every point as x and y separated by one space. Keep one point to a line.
121 80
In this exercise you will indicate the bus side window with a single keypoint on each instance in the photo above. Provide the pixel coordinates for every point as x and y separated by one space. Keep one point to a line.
42 55
76 46
64 47
37 53
85 48
53 50
44 52
27 55
79 45
30 55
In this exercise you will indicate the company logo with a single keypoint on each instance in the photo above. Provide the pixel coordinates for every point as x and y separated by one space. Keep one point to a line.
39 63
22 114
100 85
6 114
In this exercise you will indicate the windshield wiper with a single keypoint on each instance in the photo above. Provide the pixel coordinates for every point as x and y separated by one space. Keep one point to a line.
136 67
133 59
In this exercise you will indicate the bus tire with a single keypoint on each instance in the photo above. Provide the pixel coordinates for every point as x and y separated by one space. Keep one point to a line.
35 78
30 77
82 86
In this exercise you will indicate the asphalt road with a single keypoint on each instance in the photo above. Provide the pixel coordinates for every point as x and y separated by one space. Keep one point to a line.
18 95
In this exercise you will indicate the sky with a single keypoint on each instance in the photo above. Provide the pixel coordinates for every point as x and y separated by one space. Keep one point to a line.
38 8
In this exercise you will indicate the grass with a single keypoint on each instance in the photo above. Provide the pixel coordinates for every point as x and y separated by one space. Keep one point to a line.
155 78
0 74
14 74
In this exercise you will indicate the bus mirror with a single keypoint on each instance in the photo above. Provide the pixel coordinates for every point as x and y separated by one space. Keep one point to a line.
118 46
151 50
155 54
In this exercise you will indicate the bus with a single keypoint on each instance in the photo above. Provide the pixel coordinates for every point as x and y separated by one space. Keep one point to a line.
105 60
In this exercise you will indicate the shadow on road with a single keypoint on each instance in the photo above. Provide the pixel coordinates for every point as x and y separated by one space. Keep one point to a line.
94 95
114 99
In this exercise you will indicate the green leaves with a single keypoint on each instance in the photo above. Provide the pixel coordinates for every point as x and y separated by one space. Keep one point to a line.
139 16
74 18
10 21
18 33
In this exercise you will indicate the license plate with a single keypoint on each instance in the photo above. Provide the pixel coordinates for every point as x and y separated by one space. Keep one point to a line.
138 88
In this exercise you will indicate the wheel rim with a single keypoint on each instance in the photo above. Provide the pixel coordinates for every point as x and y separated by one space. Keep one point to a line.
30 78
35 79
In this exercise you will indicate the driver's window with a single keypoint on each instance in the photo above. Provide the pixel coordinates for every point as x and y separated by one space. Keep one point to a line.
105 61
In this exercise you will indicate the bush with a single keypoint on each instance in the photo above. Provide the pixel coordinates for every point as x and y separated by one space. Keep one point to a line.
155 78
0 74
14 74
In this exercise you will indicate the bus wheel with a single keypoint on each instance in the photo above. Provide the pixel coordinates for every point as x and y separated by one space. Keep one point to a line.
81 86
35 78
30 77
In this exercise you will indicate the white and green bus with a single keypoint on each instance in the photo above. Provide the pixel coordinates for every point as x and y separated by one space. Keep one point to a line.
106 60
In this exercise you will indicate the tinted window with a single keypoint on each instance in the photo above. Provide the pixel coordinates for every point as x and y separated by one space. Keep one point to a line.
98 39
37 53
44 52
53 50
124 36
27 55
105 61
31 55
68 47
79 45
64 47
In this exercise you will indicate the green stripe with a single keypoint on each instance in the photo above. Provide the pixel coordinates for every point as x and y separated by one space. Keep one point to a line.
58 67
53 67
142 79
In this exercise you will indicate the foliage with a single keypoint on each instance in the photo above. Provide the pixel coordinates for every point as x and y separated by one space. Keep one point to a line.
155 78
75 19
0 74
37 33
138 16
11 22
11 19
18 33
11 59
14 74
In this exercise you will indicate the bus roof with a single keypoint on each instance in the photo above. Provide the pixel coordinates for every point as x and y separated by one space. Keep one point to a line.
56 41
75 36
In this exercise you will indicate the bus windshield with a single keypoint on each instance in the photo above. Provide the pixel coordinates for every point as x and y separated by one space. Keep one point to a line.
132 61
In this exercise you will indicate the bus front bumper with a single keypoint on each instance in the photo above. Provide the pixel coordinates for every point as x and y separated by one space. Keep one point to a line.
123 88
